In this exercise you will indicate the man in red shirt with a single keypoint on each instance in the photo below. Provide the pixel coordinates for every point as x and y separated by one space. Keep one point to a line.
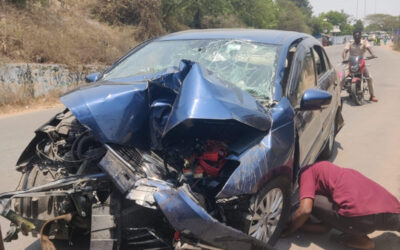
344 199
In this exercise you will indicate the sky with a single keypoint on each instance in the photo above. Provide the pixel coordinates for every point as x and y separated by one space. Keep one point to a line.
391 7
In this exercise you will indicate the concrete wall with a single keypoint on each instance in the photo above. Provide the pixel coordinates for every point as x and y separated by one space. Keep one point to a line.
336 40
42 78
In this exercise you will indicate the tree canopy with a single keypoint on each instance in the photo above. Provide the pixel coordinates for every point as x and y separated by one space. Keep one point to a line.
383 22
160 16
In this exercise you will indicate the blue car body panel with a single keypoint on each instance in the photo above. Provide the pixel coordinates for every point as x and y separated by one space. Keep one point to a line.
116 113
187 99
194 220
271 157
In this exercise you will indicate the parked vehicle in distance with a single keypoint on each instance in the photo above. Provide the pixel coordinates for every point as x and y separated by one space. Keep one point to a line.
371 37
193 138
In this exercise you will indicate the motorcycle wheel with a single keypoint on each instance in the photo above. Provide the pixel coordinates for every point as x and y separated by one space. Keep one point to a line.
357 94
270 210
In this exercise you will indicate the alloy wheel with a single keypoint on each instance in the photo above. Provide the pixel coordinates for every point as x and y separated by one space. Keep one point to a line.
266 214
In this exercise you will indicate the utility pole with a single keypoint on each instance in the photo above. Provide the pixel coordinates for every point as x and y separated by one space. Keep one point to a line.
357 11
365 8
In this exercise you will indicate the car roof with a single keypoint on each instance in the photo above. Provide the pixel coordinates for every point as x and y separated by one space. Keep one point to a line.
276 37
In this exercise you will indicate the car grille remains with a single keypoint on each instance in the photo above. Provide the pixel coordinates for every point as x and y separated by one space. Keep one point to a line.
129 154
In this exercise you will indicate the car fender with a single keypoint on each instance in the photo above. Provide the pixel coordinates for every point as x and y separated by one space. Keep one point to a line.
272 156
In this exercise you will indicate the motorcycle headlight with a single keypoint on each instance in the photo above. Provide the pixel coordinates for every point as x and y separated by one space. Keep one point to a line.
355 68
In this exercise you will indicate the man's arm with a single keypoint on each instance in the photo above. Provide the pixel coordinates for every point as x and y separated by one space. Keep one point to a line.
344 54
370 51
300 216
346 49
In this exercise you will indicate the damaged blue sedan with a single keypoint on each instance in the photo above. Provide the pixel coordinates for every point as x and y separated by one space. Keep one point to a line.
194 139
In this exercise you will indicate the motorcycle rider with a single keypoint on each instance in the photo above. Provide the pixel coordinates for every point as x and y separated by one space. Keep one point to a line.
357 47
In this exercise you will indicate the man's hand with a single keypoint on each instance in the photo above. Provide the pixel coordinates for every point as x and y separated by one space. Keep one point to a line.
300 216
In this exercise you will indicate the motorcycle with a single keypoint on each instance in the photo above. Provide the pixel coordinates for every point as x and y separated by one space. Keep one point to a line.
139 167
356 83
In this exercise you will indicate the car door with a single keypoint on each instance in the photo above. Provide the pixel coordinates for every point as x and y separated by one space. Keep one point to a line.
326 80
308 124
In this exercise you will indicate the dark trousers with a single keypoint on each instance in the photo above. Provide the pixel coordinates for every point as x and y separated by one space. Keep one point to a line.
361 225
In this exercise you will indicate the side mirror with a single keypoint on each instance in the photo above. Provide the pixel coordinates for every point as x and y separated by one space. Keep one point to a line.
93 77
314 99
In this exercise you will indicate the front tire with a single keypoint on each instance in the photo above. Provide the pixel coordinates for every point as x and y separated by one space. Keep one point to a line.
357 94
269 210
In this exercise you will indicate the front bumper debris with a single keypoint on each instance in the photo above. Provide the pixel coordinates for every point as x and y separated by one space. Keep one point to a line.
186 215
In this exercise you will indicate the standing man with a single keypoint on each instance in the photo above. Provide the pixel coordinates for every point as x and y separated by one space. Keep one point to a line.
357 47
346 200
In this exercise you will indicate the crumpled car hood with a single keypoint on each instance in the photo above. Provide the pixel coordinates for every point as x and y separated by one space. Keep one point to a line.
190 101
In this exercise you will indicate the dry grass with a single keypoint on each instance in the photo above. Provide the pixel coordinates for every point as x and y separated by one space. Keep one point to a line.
60 32
144 14
21 101
54 31
17 97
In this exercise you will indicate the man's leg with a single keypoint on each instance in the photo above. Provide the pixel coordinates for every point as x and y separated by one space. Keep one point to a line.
387 222
355 232
370 86
345 74
313 227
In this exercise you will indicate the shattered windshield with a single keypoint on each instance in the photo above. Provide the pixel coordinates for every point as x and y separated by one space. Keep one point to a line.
250 66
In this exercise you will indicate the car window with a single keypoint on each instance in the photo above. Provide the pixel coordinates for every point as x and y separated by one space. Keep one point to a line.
320 64
327 62
307 76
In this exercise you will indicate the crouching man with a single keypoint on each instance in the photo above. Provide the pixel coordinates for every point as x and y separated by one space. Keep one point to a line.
346 200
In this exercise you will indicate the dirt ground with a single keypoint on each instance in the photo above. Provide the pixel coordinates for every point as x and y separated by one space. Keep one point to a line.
34 105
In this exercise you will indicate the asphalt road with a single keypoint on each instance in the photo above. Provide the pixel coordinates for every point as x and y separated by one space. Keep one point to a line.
369 143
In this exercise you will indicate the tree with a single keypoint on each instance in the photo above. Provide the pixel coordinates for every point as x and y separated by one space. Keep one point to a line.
181 14
383 21
335 17
319 26
359 26
372 27
291 18
257 13
304 6
348 29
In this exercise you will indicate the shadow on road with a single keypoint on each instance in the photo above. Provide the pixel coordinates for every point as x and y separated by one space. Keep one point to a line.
62 245
335 152
347 99
387 241
330 241
327 241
